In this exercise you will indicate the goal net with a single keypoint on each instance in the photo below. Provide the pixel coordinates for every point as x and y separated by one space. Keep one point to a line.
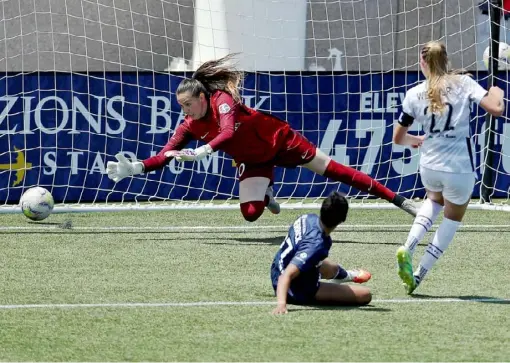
82 80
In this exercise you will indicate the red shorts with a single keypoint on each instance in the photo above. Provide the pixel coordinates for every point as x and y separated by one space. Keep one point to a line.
296 150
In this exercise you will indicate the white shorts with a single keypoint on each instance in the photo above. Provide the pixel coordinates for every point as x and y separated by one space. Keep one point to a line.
456 188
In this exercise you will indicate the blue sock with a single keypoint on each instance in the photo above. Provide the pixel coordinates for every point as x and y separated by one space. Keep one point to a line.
341 274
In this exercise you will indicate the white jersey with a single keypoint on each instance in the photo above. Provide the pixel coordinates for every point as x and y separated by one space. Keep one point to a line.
447 145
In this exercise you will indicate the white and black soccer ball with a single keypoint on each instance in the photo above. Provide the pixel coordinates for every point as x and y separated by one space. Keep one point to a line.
503 59
37 203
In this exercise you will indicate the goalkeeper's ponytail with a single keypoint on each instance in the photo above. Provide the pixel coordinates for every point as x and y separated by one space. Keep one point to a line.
214 75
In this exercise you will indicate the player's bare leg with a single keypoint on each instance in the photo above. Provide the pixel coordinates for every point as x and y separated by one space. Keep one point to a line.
322 164
343 294
255 194
436 197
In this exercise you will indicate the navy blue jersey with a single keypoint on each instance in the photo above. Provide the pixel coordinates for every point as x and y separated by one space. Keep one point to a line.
305 246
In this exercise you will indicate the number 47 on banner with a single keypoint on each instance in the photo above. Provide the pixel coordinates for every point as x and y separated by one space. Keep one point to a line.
371 129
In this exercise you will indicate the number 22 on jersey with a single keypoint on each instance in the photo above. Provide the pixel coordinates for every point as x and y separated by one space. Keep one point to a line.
435 126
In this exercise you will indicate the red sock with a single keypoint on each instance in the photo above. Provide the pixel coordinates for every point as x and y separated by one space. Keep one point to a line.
252 210
358 180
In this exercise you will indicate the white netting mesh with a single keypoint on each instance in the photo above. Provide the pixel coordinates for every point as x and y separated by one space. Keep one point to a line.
82 80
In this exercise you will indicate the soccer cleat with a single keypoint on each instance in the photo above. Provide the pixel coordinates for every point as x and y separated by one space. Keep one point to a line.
272 205
360 276
405 269
410 289
409 207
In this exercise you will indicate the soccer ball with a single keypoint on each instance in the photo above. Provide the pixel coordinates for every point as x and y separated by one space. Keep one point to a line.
503 59
37 203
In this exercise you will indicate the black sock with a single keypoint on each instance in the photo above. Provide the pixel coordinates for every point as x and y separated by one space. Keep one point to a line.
398 200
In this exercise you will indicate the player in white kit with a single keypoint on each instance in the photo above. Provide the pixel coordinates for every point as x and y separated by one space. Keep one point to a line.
441 104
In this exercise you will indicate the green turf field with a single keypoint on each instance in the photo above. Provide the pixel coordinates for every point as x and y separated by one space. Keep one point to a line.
134 287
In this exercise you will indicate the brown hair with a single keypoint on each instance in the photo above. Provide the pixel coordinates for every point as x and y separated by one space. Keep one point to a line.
434 55
214 75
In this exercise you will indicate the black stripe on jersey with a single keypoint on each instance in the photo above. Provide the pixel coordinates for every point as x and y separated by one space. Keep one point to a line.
405 119
468 142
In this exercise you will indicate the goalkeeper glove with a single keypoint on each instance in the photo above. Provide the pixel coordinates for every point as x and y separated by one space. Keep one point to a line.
190 154
122 169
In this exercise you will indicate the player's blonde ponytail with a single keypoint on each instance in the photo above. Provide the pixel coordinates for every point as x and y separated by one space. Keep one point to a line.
220 75
435 56
439 77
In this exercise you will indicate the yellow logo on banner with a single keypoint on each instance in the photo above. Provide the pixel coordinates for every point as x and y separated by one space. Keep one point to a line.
20 166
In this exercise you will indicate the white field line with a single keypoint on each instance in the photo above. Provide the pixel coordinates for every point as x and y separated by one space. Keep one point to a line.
234 303
259 228
179 206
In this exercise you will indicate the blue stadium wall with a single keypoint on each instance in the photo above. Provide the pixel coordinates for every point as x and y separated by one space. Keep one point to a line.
61 129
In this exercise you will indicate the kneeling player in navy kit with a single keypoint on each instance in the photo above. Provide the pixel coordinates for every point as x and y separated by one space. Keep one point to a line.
302 261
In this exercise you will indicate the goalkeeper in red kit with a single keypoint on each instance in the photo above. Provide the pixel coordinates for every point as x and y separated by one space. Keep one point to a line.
256 141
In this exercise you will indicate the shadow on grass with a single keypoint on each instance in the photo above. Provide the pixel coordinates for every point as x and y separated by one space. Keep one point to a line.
368 308
40 223
316 307
231 241
279 240
473 298
202 237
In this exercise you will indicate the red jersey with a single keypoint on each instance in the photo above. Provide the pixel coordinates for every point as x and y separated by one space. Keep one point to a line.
247 135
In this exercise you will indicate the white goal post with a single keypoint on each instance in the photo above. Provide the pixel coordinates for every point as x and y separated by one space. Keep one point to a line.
82 80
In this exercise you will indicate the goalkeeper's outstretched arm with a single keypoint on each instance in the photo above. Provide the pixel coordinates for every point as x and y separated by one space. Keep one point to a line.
124 168
179 139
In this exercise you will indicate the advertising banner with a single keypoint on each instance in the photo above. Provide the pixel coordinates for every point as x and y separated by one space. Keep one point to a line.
59 130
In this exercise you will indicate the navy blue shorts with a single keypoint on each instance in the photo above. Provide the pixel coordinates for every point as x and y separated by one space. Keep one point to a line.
302 289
